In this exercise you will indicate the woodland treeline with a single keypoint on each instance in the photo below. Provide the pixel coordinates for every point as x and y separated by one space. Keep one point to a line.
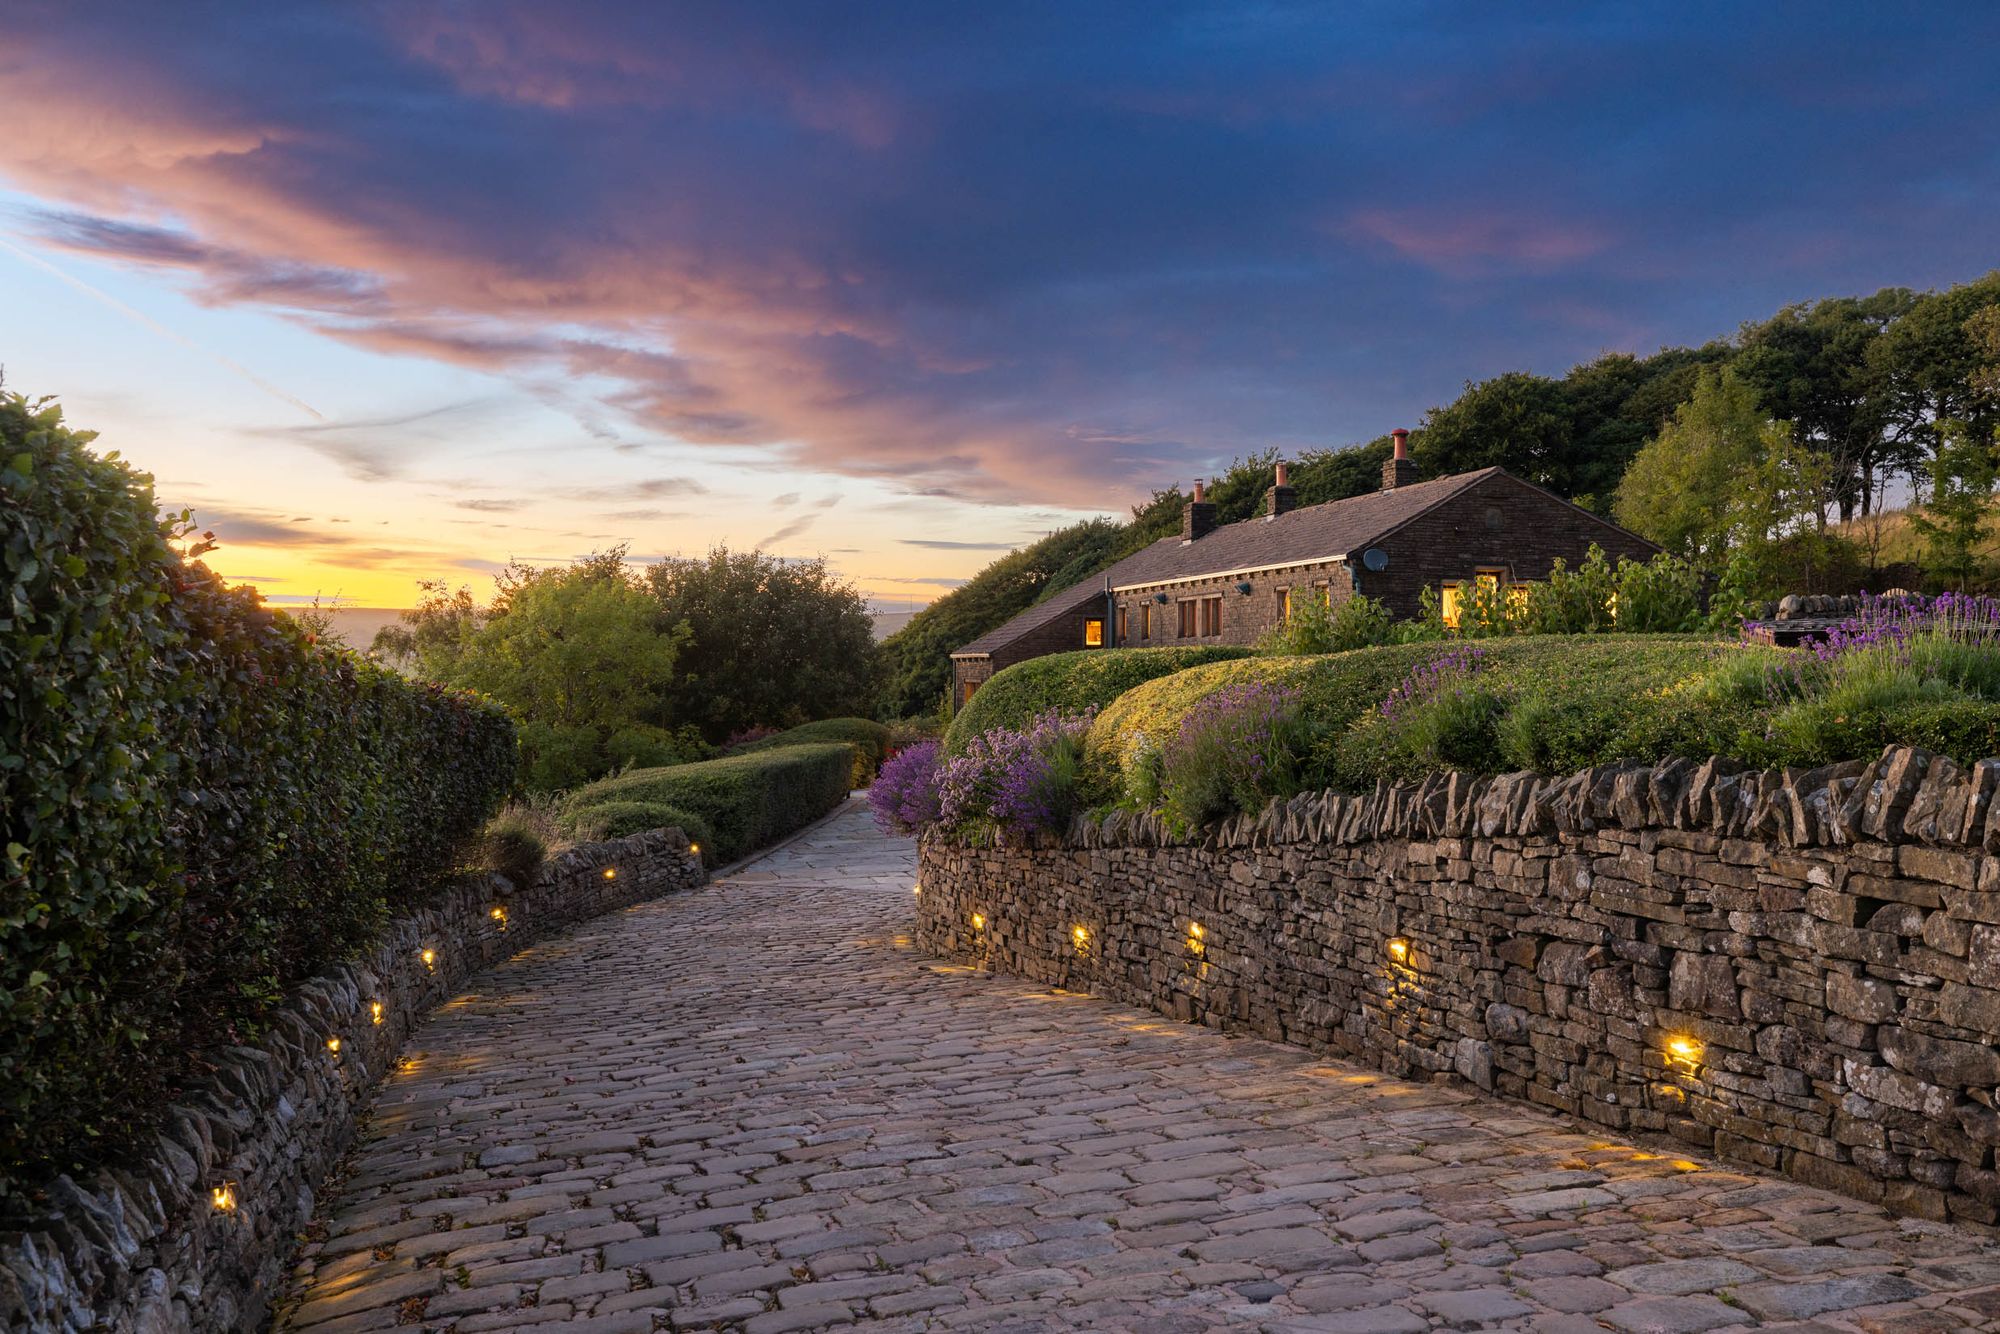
1764 444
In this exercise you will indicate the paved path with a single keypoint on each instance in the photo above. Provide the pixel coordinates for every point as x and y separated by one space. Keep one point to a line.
756 1107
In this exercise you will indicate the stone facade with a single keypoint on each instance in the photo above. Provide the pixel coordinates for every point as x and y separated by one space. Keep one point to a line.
1795 970
144 1247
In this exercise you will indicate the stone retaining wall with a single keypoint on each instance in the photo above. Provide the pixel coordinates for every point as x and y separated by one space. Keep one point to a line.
143 1246
1795 970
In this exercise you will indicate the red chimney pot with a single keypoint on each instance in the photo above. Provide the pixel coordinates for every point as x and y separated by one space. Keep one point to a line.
1402 438
1197 491
1281 474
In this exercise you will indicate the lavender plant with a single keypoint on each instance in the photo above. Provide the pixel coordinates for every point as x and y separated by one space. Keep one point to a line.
905 795
1016 780
1234 751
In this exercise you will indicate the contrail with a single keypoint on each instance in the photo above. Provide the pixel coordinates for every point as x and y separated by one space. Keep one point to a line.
140 317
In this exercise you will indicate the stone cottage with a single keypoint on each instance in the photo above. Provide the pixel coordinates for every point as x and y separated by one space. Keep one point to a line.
1230 583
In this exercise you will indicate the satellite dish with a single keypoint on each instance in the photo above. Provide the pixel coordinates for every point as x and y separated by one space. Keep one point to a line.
1375 559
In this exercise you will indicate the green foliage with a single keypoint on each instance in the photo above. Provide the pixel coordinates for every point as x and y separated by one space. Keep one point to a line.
917 658
869 738
770 641
1317 625
747 800
201 807
622 819
1232 754
514 844
1069 683
1952 522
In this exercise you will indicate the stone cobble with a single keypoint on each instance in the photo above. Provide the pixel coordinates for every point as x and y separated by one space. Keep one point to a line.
757 1107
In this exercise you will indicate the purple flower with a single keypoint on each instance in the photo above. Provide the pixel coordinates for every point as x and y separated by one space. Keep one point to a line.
904 796
1451 670
1018 780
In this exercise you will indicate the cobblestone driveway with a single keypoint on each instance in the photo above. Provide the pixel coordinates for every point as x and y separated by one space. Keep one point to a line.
755 1106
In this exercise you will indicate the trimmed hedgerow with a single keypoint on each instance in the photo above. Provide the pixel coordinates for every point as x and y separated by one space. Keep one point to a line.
202 806
869 738
1552 703
1069 683
620 819
748 800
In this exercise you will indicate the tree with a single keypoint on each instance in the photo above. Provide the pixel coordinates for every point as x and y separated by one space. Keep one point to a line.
1685 488
1953 520
1516 421
573 649
1811 365
1930 361
771 642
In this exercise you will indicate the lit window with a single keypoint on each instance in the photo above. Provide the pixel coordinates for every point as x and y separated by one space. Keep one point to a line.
1452 598
1517 598
1284 604
1093 633
1146 621
1489 580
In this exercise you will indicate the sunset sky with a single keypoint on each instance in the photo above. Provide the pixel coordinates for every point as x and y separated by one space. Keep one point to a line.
402 290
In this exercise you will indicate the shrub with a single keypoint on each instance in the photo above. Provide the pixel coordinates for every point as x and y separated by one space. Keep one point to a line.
515 845
622 819
747 801
908 732
643 746
1069 683
1315 625
1015 780
1234 751
869 738
1590 698
905 794
203 806
556 758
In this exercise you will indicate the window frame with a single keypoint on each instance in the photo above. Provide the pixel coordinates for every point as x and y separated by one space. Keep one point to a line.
1189 619
1211 616
1093 632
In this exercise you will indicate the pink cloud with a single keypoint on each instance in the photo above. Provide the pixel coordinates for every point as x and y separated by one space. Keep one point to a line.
1480 240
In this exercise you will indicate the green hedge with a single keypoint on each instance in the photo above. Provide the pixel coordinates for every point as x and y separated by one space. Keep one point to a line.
1072 682
618 819
1590 698
748 800
869 738
202 807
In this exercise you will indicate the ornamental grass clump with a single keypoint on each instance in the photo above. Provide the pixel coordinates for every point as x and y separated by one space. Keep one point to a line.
1016 781
1233 752
904 795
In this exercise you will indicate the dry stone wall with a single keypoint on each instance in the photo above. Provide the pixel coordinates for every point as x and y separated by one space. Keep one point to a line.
144 1247
1798 970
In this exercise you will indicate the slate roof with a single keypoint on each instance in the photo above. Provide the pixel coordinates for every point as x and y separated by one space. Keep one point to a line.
1316 532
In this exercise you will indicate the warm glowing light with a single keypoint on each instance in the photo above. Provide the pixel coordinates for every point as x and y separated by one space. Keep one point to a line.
1081 935
1399 950
430 958
333 1045
499 914
695 848
1195 938
375 1011
610 873
223 1197
1194 929
979 921
1688 1049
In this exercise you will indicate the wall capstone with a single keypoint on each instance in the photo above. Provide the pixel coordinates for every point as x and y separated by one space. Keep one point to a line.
1798 969
141 1246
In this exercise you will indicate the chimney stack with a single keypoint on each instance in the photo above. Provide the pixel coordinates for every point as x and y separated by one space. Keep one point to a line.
1198 519
1401 469
1280 499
